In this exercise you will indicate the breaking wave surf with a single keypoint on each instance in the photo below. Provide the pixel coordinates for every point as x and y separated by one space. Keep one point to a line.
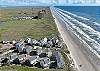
85 29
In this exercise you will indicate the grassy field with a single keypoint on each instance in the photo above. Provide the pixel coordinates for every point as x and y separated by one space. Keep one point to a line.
19 29
21 68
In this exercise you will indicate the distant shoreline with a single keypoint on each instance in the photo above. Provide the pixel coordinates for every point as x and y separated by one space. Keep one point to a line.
8 7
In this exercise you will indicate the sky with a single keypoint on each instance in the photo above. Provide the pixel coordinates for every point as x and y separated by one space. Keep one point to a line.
47 2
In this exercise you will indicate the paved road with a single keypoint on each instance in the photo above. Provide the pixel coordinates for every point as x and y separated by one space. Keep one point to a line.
81 57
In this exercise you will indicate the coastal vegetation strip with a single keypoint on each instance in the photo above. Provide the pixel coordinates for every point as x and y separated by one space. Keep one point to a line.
35 28
14 29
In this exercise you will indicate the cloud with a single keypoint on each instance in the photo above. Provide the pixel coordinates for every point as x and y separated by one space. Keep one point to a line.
44 2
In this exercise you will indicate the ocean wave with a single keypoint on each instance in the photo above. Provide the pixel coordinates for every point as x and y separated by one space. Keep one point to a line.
81 29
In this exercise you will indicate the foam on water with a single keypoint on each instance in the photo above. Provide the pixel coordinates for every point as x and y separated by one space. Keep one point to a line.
83 31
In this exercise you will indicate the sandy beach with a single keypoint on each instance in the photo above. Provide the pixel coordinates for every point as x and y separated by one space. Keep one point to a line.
78 55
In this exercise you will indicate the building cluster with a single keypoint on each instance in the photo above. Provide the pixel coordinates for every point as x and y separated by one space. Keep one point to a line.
24 17
41 14
31 53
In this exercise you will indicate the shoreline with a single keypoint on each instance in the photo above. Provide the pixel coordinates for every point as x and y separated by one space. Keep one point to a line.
58 26
76 54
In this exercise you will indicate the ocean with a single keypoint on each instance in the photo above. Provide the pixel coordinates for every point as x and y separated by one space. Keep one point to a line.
83 22
92 12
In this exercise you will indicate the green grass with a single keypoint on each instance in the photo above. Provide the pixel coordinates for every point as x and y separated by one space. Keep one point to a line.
22 68
19 29
7 13
24 28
